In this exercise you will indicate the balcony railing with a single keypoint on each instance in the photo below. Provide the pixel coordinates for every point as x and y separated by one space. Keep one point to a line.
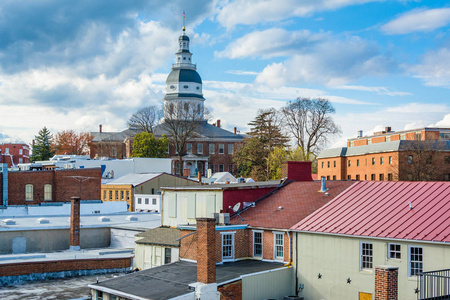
433 285
184 66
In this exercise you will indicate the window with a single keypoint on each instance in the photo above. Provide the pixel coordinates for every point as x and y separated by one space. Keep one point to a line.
372 176
388 138
28 192
381 160
357 177
117 195
257 243
167 255
110 195
153 191
104 194
200 148
139 200
153 201
230 148
381 177
390 160
349 163
121 195
279 246
394 251
410 159
113 152
334 177
403 136
447 160
443 135
352 144
221 148
227 246
373 161
99 295
369 141
6 150
328 177
349 177
20 151
20 160
389 176
189 148
415 262
220 168
146 201
212 148
328 164
366 252
357 162
418 136
334 164
128 195
323 165
47 192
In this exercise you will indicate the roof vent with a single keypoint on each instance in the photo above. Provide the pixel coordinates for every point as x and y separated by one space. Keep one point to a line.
9 222
43 221
131 218
104 219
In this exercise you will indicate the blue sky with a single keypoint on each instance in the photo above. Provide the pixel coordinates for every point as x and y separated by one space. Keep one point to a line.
75 65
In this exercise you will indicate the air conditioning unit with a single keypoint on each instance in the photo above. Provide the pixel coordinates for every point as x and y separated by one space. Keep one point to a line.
224 218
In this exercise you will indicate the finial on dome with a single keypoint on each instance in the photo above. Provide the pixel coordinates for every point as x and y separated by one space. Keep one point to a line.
184 21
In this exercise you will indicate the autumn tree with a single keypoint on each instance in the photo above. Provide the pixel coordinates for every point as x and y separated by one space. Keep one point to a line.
309 122
146 145
42 146
253 157
71 142
145 118
180 121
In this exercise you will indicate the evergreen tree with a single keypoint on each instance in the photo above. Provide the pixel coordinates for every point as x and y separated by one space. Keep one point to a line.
146 145
42 148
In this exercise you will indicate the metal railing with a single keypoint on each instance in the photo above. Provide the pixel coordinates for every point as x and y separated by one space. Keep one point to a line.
433 285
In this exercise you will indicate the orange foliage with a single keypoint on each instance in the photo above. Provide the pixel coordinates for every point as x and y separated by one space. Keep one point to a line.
72 143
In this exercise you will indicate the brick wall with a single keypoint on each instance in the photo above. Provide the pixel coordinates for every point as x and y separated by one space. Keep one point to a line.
25 268
386 283
63 185
231 291
206 266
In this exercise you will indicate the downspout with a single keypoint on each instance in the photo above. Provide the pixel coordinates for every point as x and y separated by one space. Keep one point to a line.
296 264
290 253
5 184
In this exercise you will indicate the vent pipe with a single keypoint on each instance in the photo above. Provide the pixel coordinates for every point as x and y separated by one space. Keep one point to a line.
5 184
323 187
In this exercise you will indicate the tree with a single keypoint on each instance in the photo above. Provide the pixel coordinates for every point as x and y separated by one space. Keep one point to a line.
310 124
42 147
281 155
180 121
71 142
145 118
253 157
146 145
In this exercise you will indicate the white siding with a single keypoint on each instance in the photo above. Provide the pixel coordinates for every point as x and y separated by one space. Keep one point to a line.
272 284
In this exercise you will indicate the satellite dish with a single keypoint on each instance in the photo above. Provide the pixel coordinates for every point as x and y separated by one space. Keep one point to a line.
237 206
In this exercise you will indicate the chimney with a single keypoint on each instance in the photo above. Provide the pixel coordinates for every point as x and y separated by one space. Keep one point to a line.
388 129
360 133
75 224
297 170
100 128
386 283
323 186
235 130
218 123
5 184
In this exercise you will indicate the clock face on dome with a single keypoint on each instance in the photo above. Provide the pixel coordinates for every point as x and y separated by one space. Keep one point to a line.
172 87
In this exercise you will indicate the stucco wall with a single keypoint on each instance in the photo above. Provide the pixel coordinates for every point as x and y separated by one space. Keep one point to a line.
337 258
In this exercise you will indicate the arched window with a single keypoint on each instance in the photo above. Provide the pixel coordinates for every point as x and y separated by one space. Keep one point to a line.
47 192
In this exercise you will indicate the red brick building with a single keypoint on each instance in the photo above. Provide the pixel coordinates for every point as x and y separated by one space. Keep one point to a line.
14 154
36 187
418 155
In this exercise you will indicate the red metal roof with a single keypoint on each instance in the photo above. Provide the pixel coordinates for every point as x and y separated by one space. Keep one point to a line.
382 209
297 199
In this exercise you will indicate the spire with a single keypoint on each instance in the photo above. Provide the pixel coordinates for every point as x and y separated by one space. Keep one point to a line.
184 22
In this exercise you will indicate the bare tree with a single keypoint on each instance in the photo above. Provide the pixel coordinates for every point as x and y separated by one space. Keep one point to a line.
180 121
310 123
145 118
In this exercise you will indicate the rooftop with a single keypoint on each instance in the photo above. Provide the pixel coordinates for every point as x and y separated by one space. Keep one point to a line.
396 210
246 185
172 280
160 236
290 204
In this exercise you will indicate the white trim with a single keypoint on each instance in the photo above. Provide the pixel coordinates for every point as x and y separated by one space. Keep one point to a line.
262 244
226 232
188 260
114 292
275 257
409 260
361 256
389 251
233 245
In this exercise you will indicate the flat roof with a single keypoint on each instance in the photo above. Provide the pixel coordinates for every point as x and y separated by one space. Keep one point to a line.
246 185
172 280
126 220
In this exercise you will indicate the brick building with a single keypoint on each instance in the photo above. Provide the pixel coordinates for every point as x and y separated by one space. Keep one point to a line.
418 155
14 154
39 187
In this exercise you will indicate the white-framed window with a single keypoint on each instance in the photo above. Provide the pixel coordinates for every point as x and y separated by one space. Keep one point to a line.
369 141
221 148
189 148
47 192
199 148
403 136
147 201
388 138
394 251
390 160
230 148
415 260
20 160
227 246
6 150
20 151
257 243
366 256
212 148
153 201
278 245
221 168
113 152
139 200
29 192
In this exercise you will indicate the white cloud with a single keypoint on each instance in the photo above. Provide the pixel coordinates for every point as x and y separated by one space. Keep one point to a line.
445 122
240 72
374 89
418 20
434 69
254 11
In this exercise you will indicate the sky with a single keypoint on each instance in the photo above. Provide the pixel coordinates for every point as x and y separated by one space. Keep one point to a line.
77 64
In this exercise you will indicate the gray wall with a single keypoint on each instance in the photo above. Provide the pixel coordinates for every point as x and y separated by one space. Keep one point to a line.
274 284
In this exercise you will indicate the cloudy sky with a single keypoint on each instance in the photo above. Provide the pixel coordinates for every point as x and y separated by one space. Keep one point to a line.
75 65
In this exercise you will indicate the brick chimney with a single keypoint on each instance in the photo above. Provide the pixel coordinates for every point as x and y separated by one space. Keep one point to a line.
75 224
297 170
386 283
235 130
218 123
100 128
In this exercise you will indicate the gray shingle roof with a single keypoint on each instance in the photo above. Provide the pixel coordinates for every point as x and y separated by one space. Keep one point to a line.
183 75
164 236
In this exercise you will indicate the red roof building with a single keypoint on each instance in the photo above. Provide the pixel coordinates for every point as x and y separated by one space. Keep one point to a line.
14 154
